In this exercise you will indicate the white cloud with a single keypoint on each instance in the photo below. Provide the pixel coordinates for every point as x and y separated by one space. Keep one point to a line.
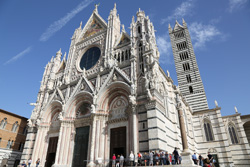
164 46
57 25
201 34
236 4
181 11
19 55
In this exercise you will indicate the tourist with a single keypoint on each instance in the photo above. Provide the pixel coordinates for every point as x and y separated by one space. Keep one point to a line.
163 158
37 162
117 161
131 158
156 157
29 162
200 160
151 158
146 159
167 158
23 164
210 158
180 159
206 163
121 160
170 159
139 159
176 155
173 159
113 160
194 158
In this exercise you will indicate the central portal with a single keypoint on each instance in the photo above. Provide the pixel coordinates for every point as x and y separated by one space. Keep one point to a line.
81 147
118 141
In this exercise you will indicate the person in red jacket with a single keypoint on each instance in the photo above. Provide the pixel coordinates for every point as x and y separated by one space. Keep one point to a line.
170 159
113 160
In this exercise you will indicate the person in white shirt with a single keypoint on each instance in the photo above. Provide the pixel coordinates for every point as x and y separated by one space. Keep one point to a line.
131 158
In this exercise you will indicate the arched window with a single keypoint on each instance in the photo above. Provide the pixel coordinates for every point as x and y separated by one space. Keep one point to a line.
15 126
208 130
25 130
141 58
191 89
8 144
3 123
139 29
233 135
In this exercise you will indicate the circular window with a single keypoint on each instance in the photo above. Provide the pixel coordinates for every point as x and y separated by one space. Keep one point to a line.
90 58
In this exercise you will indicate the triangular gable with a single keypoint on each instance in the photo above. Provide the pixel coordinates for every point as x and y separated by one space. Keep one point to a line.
62 67
82 85
116 75
178 26
123 39
94 25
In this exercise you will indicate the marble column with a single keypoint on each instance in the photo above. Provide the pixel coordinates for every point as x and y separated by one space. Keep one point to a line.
92 145
135 132
186 154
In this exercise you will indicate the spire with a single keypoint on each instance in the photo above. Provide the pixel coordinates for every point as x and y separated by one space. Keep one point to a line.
170 28
80 25
59 52
64 57
184 23
133 19
123 28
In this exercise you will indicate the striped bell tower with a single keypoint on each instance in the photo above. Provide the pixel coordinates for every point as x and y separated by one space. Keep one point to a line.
187 70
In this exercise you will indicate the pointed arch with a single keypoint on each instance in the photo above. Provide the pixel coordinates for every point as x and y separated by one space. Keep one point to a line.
52 111
232 131
75 103
3 123
208 130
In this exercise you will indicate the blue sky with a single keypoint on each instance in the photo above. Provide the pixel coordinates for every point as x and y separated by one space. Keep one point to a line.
31 32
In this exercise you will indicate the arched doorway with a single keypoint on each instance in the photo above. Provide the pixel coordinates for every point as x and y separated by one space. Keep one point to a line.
247 130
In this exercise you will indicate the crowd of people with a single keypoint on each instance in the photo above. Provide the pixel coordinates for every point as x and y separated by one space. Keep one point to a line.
28 163
153 158
204 162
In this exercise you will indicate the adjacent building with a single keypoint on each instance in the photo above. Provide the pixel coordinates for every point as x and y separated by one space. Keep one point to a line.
109 95
13 131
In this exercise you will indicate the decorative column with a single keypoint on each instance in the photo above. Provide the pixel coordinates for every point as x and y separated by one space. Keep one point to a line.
92 146
186 154
135 132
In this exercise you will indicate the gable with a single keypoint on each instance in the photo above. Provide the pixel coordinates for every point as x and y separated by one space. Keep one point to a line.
124 39
94 28
94 25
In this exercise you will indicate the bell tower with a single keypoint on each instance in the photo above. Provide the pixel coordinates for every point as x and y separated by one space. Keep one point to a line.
187 70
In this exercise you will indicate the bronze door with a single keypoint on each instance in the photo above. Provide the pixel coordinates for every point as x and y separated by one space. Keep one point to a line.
51 153
118 142
81 147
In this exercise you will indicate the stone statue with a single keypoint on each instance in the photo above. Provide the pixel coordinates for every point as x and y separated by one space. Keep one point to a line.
92 108
133 89
29 123
38 121
236 110
114 77
132 99
216 103
149 94
60 116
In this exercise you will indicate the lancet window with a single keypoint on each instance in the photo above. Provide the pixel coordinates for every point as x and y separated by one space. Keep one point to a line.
233 135
208 130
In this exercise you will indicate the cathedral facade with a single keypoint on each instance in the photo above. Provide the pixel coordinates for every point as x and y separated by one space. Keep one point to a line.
110 96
